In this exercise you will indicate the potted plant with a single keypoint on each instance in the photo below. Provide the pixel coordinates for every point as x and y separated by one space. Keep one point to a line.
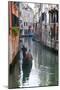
15 31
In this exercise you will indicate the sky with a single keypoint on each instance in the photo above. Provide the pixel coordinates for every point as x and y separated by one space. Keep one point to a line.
31 5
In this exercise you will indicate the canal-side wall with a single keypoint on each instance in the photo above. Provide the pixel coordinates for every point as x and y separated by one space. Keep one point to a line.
13 47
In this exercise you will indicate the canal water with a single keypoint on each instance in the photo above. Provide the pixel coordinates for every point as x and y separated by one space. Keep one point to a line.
44 70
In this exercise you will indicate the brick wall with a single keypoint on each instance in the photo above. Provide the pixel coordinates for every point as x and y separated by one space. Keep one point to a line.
13 46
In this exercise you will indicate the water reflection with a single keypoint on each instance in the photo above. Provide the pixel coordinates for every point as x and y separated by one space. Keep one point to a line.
14 73
26 67
42 71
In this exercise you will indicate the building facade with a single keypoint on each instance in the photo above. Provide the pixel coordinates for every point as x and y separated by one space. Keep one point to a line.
14 14
26 18
46 24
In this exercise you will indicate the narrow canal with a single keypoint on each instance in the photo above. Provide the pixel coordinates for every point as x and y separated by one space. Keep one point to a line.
44 71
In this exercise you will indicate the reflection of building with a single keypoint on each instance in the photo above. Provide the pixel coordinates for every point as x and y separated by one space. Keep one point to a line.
13 11
46 24
26 18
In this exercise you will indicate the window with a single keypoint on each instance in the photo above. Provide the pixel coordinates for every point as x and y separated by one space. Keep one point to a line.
24 23
15 20
53 16
43 16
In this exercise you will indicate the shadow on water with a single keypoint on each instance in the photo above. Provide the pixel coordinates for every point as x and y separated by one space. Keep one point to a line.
14 72
26 67
14 62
